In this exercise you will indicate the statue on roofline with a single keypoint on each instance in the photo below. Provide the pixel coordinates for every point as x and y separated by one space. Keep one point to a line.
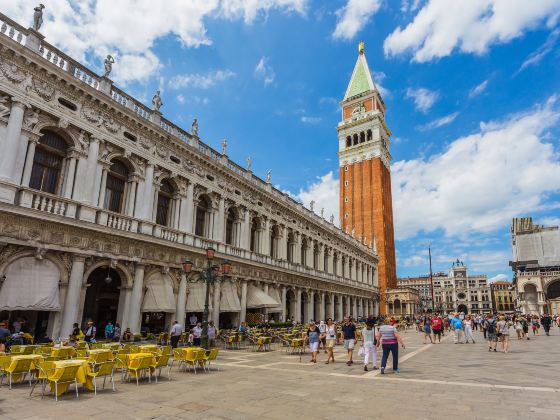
108 64
38 17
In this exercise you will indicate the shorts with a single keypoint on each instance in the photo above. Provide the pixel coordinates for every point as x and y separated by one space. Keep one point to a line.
313 346
491 337
331 343
437 332
349 344
427 330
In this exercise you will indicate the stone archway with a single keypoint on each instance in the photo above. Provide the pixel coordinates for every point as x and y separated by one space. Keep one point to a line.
290 305
102 298
553 297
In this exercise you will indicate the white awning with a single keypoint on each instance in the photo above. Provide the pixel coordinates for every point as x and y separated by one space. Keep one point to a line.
196 297
159 295
275 294
256 298
229 301
30 285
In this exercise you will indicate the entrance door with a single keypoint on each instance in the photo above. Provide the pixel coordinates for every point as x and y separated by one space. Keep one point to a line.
102 298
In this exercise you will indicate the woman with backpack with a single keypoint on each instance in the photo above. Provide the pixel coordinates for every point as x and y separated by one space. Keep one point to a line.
490 328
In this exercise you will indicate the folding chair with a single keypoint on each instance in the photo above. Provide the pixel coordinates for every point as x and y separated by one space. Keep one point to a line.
103 369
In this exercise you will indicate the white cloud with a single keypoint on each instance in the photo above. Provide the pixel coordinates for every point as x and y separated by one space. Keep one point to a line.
181 99
310 120
536 56
481 180
499 277
265 71
200 81
88 30
409 5
470 26
324 192
379 77
448 119
423 98
478 89
353 17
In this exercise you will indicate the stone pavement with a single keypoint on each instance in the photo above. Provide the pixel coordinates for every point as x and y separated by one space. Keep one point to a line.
441 381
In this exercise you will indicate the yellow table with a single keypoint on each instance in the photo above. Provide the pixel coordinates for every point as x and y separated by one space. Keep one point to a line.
63 352
34 358
112 346
132 356
100 355
81 375
149 348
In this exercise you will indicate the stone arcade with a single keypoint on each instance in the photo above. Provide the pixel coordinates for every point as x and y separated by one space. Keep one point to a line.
102 198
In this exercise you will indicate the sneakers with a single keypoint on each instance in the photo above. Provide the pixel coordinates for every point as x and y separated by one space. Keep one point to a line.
365 369
375 368
383 371
349 362
397 370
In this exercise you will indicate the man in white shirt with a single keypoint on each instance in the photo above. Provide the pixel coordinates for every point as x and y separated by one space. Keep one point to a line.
197 332
176 331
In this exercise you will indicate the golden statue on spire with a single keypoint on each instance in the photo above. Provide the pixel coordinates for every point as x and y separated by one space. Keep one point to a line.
361 47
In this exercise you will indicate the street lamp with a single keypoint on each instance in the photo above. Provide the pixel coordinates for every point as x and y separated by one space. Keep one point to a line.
213 274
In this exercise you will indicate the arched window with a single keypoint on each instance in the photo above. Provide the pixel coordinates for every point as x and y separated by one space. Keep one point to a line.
291 245
274 235
165 198
117 177
335 263
316 256
254 235
362 137
230 220
47 163
348 141
355 139
369 136
202 209
304 251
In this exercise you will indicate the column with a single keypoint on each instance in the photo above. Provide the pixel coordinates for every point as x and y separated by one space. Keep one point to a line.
69 183
131 199
90 186
246 231
310 306
283 304
265 238
146 198
265 289
9 147
243 314
298 306
180 313
81 180
219 225
187 210
321 262
355 307
329 267
332 308
339 313
216 305
96 190
136 299
177 198
155 198
29 161
322 307
72 302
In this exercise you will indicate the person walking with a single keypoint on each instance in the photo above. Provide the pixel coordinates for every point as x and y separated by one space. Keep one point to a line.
212 332
468 326
502 328
322 331
388 338
546 322
426 328
349 336
437 327
519 329
457 327
313 338
535 325
197 333
175 333
490 328
368 343
330 339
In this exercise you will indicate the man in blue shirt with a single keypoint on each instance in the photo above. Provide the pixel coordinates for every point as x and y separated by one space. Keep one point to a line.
349 333
457 327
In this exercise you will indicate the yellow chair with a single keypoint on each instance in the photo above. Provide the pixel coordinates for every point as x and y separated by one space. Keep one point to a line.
179 355
103 369
45 350
81 345
61 376
166 350
5 361
139 365
161 362
95 346
16 349
210 356
191 358
132 348
81 353
21 367
42 369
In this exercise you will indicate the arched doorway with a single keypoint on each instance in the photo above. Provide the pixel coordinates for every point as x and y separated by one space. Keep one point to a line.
317 308
463 309
304 312
290 305
102 298
553 297
397 307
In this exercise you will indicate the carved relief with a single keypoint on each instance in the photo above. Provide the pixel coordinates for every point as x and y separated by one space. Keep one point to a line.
5 107
43 89
30 119
12 72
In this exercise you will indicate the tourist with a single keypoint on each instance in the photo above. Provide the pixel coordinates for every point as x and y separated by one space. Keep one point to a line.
490 328
546 322
330 333
437 326
323 330
457 327
502 332
525 326
388 338
349 336
519 329
468 328
175 333
197 333
16 326
91 332
128 336
313 338
4 334
117 333
535 325
109 329
212 331
426 328
368 343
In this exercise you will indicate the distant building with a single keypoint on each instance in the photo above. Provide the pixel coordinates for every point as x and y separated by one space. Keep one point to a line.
536 266
422 285
503 296
402 301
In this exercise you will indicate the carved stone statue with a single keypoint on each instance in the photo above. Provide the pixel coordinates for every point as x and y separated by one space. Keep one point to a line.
108 63
156 101
31 119
194 127
224 147
38 17
311 205
332 218
322 212
249 162
268 176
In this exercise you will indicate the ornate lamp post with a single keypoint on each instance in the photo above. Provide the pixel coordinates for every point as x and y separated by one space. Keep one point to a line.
213 274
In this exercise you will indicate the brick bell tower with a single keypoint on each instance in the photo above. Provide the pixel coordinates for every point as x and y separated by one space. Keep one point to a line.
366 205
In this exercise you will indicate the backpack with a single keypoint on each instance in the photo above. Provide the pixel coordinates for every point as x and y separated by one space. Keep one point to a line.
491 329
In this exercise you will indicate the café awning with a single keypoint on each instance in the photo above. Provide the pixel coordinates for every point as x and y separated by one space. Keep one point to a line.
229 301
275 294
159 295
256 299
196 297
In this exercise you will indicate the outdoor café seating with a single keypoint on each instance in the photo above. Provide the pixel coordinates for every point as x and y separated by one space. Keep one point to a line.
102 369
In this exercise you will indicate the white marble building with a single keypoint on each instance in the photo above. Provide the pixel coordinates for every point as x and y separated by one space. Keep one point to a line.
102 198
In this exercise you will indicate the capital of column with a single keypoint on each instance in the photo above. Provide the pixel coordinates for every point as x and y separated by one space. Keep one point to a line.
20 102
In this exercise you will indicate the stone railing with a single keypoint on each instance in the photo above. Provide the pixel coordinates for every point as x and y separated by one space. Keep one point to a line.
47 203
12 30
117 221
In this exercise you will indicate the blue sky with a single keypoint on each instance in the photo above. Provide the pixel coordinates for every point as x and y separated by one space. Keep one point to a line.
470 86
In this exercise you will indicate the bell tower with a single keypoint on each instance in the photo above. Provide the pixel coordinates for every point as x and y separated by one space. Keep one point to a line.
366 205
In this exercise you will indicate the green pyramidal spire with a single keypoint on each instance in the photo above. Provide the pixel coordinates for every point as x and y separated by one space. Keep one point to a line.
361 81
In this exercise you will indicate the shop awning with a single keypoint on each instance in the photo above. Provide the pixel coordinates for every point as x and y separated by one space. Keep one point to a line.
256 299
30 285
159 295
275 294
196 297
229 301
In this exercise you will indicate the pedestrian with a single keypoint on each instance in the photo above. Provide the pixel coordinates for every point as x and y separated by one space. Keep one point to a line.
546 322
457 327
388 338
91 332
502 332
193 320
426 328
4 334
197 333
468 328
212 332
519 329
322 331
330 333
175 333
117 332
437 326
490 328
535 325
313 338
109 330
368 345
349 336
